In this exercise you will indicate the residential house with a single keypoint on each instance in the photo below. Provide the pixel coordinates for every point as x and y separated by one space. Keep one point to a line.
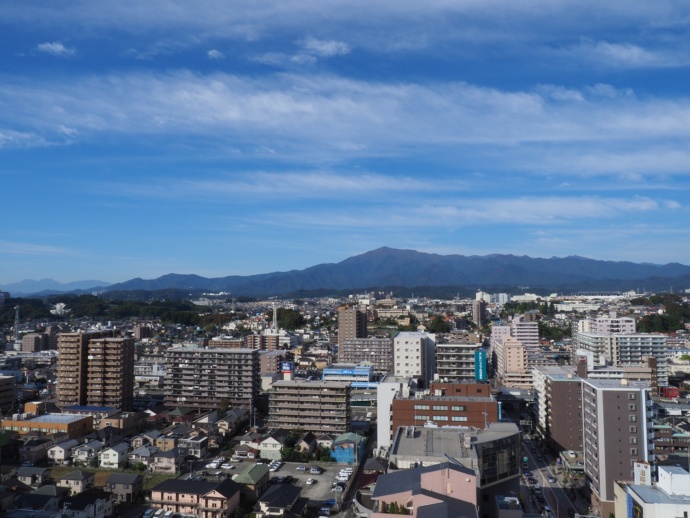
271 445
92 503
232 420
126 487
42 500
167 461
325 440
443 490
78 481
34 477
254 480
62 453
143 454
196 443
307 443
87 453
244 451
35 450
199 498
280 500
113 457
145 438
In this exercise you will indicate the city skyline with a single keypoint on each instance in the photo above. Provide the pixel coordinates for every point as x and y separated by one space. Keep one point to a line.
138 140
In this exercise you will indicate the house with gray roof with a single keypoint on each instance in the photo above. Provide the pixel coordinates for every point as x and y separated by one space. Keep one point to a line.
78 481
34 477
195 497
280 500
125 486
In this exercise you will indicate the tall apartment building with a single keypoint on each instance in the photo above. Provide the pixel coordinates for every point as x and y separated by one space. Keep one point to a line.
627 349
512 363
455 361
414 355
378 352
202 378
612 324
7 395
110 372
83 366
617 433
558 395
479 312
352 323
35 342
314 406
527 333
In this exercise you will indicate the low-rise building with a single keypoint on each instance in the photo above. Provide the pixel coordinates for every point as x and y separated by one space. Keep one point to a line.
197 498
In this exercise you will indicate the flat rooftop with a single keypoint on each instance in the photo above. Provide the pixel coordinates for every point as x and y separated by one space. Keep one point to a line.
55 418
449 440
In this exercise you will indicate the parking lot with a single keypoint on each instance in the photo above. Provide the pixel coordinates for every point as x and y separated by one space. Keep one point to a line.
321 489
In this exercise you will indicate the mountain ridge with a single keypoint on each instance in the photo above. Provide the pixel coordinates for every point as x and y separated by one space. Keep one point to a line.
386 266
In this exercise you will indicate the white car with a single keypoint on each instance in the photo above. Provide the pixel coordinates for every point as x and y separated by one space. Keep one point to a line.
301 468
310 481
212 465
227 466
342 478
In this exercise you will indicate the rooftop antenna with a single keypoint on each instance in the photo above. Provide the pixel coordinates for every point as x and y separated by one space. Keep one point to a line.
16 323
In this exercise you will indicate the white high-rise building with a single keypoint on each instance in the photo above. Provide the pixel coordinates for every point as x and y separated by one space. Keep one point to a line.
414 355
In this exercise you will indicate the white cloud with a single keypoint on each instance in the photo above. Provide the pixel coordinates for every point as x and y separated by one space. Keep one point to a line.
21 248
325 48
627 55
215 54
56 49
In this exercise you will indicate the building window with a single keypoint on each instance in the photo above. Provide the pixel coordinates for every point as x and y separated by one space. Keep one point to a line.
439 418
632 407
458 408
632 418
422 407
633 440
633 429
459 418
631 396
440 407
633 451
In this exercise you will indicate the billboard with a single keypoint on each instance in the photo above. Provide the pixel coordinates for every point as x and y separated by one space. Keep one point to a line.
480 365
286 367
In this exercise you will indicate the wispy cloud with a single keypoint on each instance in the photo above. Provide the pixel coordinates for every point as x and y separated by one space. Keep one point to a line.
215 54
55 48
256 185
325 48
627 55
20 248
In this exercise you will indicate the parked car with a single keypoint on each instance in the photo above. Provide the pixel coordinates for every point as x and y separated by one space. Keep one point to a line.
311 481
532 480
211 465
301 468
315 470
227 466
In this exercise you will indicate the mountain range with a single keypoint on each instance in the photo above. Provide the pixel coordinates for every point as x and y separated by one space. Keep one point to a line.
408 268
390 267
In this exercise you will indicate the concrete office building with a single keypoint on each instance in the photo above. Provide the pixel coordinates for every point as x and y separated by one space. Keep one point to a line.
201 378
617 433
455 361
35 342
389 388
73 366
352 323
512 363
377 352
494 453
446 404
414 355
110 372
314 406
669 497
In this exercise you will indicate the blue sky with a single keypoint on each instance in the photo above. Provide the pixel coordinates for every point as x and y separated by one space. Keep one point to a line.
222 138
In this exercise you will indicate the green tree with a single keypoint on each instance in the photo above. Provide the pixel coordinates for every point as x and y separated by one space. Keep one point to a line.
439 325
